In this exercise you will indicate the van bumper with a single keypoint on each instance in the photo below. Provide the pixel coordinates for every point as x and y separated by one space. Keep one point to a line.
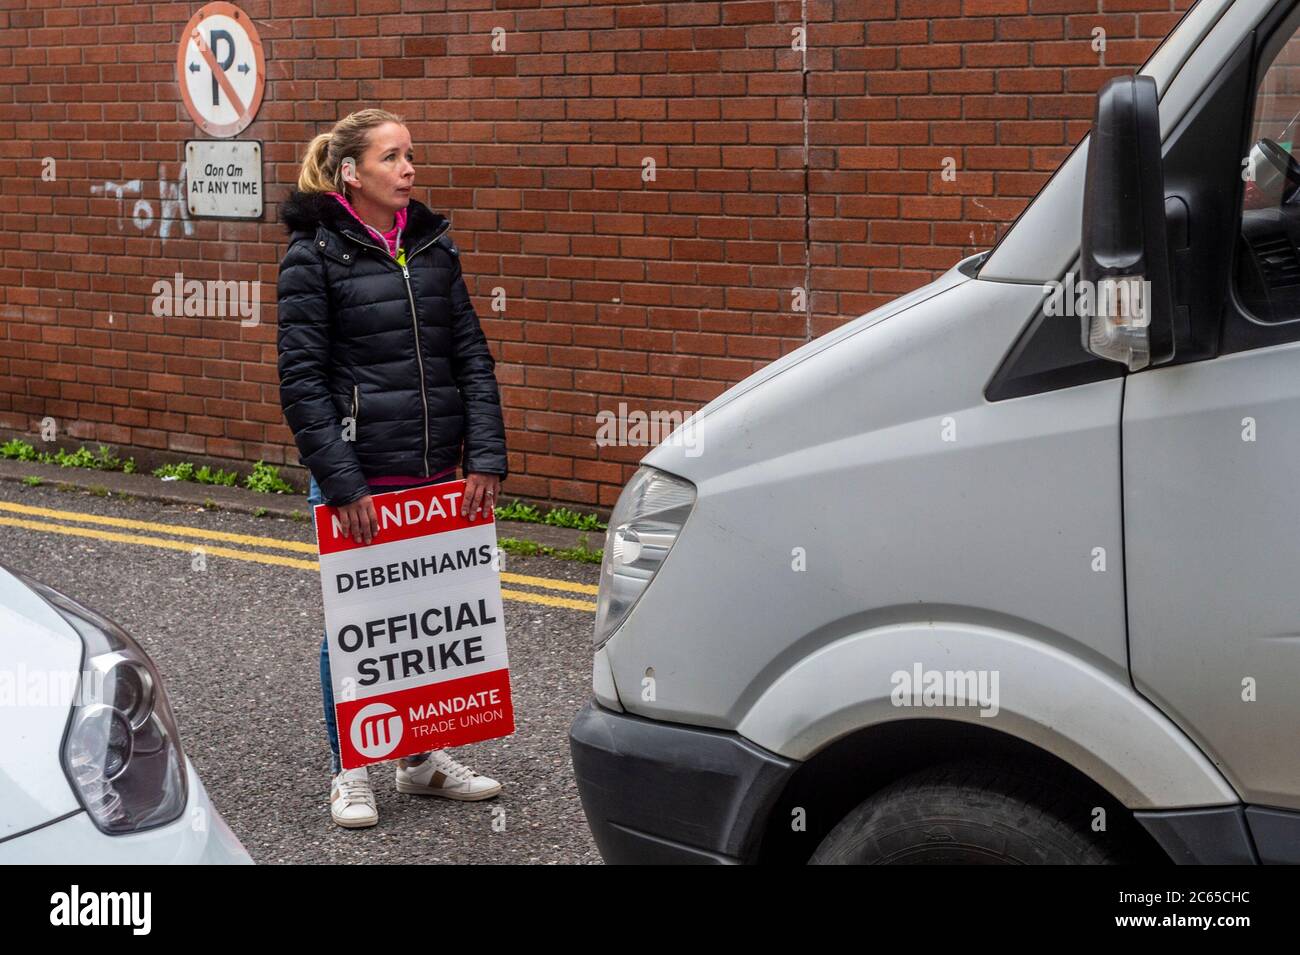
661 793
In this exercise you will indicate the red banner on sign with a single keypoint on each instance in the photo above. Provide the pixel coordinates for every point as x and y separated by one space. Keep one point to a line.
404 515
416 720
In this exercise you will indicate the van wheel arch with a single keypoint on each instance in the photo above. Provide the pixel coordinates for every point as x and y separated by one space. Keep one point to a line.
840 777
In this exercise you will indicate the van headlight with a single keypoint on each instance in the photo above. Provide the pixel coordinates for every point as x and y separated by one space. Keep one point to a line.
642 530
121 751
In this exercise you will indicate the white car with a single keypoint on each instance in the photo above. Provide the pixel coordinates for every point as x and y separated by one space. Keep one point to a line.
91 767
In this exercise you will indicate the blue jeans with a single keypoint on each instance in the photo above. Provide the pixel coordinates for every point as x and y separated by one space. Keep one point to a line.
314 497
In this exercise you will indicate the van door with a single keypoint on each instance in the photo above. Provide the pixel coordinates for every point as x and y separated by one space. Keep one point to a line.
1211 467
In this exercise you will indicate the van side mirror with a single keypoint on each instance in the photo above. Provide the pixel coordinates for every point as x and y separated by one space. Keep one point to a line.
1125 301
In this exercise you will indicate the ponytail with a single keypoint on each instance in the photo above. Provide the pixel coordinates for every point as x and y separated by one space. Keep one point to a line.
312 177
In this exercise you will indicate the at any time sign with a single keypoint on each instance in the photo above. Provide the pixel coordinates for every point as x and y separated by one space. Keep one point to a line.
415 629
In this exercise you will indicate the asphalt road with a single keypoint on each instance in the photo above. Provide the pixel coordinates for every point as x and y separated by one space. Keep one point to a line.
237 644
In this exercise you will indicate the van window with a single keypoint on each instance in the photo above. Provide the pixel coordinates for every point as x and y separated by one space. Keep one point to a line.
1268 263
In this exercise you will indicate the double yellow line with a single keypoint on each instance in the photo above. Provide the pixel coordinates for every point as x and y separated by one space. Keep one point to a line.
211 542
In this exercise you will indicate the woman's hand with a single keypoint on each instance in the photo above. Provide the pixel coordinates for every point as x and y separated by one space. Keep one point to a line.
480 493
358 520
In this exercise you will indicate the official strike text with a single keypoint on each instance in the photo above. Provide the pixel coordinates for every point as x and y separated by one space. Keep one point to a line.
432 622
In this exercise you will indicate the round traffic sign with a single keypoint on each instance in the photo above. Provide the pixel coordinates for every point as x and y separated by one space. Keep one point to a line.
220 69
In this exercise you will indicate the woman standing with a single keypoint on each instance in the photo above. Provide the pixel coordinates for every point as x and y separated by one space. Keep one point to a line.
385 376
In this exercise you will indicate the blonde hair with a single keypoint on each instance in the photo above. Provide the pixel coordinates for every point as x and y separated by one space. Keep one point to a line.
322 165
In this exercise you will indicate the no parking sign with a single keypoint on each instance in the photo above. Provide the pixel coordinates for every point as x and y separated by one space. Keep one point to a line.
220 69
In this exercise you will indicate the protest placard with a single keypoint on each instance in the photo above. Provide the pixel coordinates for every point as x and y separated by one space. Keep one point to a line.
415 628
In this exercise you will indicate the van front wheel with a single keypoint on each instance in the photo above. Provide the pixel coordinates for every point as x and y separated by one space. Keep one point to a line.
972 814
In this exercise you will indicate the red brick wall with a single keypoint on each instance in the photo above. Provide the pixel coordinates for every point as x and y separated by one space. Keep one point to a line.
776 169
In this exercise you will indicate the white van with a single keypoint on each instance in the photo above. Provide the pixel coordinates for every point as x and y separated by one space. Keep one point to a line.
1002 571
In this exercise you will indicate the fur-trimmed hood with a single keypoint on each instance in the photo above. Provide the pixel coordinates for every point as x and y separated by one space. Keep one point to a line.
303 213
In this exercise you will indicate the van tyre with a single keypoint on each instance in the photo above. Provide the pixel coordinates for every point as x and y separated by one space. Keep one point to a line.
971 814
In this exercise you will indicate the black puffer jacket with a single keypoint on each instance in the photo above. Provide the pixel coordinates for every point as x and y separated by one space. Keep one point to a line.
398 350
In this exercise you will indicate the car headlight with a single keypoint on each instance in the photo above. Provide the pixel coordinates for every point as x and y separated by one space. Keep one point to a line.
642 530
121 751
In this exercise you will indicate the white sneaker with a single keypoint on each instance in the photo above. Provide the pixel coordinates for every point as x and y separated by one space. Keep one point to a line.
440 775
352 801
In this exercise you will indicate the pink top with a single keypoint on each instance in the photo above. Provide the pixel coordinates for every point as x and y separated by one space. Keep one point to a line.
392 240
